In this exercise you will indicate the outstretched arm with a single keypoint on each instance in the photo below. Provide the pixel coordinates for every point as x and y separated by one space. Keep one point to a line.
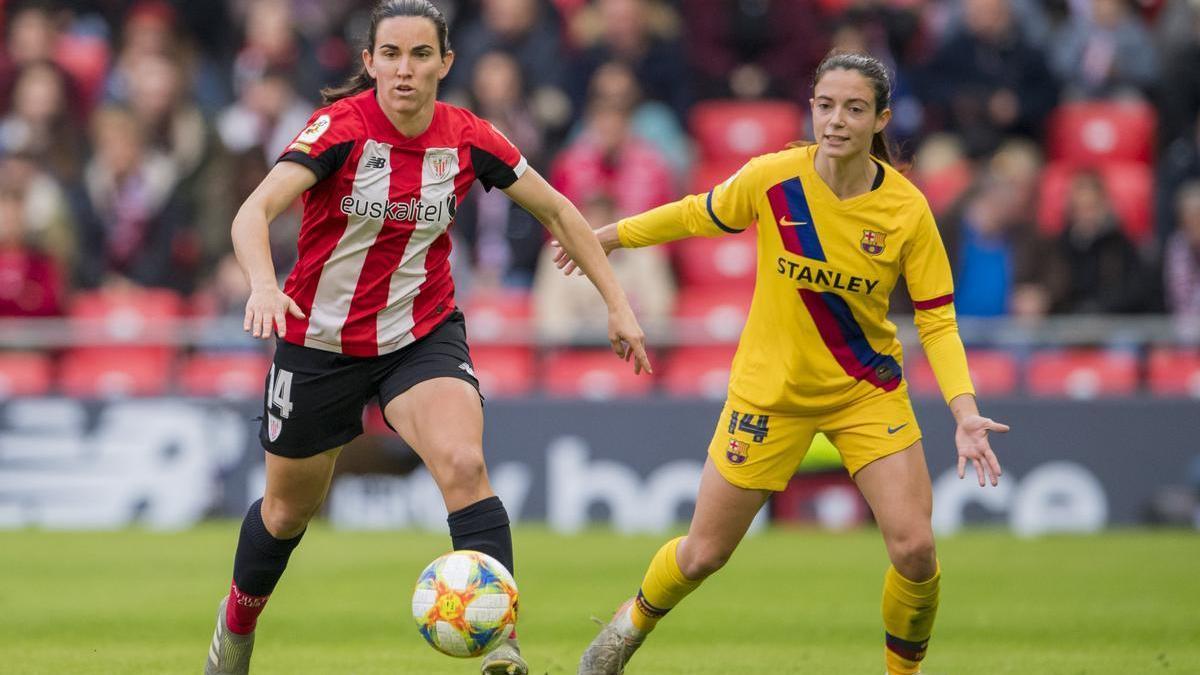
267 306
568 227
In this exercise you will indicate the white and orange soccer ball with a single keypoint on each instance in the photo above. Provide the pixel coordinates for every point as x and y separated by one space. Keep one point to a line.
465 603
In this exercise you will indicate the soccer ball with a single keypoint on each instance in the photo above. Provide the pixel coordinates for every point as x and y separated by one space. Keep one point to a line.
465 603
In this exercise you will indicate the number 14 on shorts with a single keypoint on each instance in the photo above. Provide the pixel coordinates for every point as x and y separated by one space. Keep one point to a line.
279 391
755 425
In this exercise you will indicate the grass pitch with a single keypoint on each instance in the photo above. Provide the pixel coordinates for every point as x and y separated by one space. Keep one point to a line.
789 602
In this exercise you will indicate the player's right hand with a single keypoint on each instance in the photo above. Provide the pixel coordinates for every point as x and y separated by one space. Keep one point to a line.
267 309
627 339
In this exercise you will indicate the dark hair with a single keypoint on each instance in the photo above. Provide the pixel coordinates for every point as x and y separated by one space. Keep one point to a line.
386 9
877 74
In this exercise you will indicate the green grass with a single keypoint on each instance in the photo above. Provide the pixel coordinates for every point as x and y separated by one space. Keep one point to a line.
790 602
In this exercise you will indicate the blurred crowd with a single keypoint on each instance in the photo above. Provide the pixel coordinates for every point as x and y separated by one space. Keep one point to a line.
130 131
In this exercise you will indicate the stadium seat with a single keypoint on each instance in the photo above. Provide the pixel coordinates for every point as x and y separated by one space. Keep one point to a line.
115 372
25 374
1082 374
942 188
706 262
128 316
503 371
714 314
1130 189
1092 132
698 371
237 375
993 372
1175 372
739 130
498 316
708 175
594 374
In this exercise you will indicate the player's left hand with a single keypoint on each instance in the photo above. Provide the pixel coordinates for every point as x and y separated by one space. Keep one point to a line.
627 338
971 437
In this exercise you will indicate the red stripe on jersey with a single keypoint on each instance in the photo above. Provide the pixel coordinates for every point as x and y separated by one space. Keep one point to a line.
321 228
436 291
935 302
360 332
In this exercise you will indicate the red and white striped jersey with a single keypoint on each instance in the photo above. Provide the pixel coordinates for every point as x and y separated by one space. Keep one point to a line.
373 272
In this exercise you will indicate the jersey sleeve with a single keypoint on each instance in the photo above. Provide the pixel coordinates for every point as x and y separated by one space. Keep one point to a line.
931 286
326 142
497 162
728 208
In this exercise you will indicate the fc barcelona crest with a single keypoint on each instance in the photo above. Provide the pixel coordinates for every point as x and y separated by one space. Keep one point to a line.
737 451
872 242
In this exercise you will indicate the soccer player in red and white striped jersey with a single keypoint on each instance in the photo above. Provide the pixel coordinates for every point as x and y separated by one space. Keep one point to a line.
368 311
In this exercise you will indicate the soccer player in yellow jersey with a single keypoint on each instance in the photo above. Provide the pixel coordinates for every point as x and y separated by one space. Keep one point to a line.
837 226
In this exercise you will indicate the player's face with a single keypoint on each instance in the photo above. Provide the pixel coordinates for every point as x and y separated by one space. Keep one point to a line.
406 63
844 115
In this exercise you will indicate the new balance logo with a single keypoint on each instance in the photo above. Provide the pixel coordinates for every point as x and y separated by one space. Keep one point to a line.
376 163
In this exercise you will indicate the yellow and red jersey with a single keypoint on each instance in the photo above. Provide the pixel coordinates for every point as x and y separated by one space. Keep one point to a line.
817 336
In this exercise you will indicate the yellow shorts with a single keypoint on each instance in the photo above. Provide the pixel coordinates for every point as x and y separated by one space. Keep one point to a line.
761 451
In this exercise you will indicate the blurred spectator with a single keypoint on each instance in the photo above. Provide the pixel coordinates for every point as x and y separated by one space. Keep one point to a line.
642 34
767 48
31 37
607 157
41 122
498 94
888 33
133 223
1105 50
266 116
151 31
273 45
651 121
995 252
1096 269
49 225
567 308
29 279
1182 258
1180 40
942 171
1180 164
529 33
986 81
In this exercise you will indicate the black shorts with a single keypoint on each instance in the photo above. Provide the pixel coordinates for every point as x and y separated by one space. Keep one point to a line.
314 398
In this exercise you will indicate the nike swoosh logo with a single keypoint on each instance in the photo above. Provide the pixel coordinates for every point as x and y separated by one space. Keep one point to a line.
785 221
892 430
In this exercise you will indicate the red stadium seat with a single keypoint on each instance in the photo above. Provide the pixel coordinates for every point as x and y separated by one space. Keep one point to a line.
139 316
712 314
943 187
240 375
993 372
503 371
594 374
1130 189
708 175
25 374
705 262
698 371
1175 372
115 372
498 316
739 130
1082 374
1093 132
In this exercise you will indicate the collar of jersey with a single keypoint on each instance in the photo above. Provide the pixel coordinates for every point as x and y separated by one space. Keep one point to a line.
824 193
372 110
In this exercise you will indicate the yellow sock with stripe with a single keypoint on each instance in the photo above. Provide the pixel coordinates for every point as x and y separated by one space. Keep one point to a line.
909 608
663 587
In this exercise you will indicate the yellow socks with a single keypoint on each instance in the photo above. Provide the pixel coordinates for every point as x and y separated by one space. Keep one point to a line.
909 608
663 588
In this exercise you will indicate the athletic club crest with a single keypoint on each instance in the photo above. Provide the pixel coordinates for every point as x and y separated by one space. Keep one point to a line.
872 242
440 163
737 451
274 426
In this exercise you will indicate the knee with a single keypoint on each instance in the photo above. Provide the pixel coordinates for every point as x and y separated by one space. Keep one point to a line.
286 519
914 556
461 469
700 559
